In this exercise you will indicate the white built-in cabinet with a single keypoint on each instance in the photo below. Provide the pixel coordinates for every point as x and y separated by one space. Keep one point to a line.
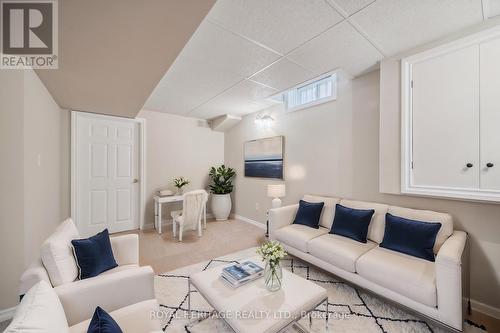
451 119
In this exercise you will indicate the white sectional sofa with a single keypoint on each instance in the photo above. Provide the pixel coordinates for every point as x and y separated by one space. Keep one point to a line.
433 289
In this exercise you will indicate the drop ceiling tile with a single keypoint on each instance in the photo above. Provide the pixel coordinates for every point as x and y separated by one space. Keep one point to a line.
340 47
245 97
281 25
213 60
283 74
493 8
399 25
351 6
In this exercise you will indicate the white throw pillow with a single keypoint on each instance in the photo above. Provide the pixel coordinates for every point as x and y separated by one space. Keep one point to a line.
57 254
40 311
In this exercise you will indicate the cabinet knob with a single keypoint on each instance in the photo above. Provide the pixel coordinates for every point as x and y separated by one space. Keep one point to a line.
490 165
469 165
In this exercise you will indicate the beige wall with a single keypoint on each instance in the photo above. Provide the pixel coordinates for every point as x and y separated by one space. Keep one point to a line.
11 185
323 131
317 145
178 146
34 195
45 125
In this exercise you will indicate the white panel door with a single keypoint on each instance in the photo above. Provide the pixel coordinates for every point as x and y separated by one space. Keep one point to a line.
490 115
445 118
106 176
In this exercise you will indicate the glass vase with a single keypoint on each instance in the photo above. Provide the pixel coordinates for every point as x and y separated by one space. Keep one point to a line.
180 191
273 276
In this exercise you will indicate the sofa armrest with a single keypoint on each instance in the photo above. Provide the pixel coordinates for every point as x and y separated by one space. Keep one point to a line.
449 279
451 251
35 273
281 217
140 317
110 291
126 249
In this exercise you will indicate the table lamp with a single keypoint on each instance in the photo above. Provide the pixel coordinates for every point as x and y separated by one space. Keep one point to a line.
276 191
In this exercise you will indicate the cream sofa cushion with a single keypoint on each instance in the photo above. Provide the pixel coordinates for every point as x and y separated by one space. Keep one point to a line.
428 216
338 250
328 211
297 235
377 225
409 276
40 311
57 254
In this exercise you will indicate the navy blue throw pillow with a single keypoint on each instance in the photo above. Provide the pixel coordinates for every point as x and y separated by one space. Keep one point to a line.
94 255
309 213
352 223
102 322
415 238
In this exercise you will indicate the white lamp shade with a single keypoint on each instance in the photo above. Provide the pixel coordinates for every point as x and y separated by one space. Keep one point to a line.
276 191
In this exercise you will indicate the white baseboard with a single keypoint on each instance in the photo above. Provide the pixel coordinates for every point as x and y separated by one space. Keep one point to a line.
247 220
485 308
7 314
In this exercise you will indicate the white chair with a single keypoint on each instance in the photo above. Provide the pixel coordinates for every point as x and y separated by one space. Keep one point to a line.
41 310
117 288
192 209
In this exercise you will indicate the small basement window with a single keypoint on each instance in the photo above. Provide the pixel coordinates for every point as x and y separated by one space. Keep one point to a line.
311 93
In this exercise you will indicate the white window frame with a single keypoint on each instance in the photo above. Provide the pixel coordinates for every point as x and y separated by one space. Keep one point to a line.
334 77
407 185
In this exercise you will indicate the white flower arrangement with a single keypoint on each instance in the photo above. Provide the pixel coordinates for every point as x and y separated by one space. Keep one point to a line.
180 182
272 252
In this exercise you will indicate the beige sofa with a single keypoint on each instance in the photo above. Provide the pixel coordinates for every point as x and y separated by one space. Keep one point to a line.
125 285
433 289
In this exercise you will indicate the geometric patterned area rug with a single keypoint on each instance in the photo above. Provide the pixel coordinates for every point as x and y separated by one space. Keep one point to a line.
350 310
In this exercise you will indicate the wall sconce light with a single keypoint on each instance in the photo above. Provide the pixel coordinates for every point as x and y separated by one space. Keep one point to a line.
264 120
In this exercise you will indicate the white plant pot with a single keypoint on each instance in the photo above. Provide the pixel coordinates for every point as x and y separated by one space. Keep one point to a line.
221 206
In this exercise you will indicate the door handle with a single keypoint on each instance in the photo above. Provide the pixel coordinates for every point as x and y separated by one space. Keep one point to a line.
135 180
469 165
490 165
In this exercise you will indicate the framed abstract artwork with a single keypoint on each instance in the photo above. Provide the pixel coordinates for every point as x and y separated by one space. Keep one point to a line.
264 158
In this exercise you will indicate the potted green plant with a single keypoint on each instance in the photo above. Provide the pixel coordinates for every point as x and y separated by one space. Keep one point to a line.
179 183
221 187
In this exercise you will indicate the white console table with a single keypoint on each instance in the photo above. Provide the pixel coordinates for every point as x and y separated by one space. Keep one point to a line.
159 200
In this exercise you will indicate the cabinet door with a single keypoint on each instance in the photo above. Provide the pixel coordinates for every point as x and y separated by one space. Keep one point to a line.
490 115
445 119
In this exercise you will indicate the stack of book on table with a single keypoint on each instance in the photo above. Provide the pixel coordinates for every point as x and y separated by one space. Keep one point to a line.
239 274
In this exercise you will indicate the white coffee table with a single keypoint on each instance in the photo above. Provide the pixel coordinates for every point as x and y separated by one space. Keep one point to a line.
252 308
